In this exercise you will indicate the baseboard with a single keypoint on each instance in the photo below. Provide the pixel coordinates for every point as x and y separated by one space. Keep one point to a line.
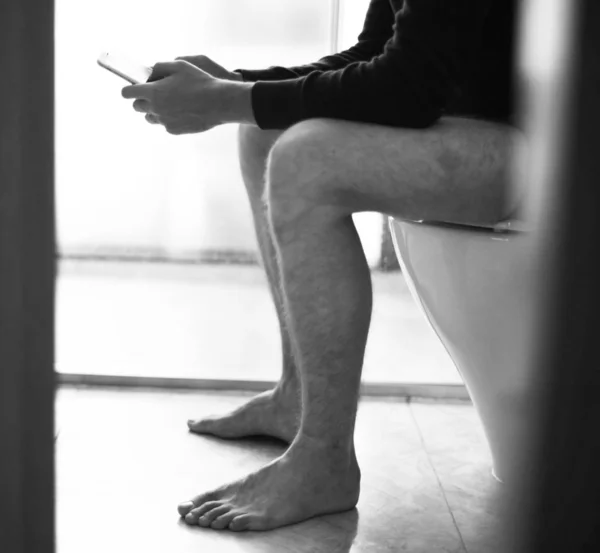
158 255
405 391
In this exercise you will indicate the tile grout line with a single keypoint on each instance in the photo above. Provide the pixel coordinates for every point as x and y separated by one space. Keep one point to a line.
412 414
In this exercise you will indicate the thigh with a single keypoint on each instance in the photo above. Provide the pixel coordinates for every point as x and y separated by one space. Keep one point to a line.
459 170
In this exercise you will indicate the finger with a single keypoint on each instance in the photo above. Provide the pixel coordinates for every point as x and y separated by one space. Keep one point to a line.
144 91
143 106
153 119
174 130
196 61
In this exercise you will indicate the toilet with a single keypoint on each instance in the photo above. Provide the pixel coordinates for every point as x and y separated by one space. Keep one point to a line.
474 286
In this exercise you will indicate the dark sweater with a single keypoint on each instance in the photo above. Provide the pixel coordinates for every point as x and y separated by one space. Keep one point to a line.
415 61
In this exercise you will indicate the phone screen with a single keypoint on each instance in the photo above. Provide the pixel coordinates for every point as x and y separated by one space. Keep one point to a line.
125 68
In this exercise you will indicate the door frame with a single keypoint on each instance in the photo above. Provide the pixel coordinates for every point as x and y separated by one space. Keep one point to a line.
27 276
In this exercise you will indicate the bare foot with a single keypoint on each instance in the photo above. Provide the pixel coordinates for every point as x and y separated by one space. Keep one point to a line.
275 413
306 481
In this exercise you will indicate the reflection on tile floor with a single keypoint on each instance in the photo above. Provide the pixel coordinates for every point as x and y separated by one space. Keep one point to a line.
217 321
125 459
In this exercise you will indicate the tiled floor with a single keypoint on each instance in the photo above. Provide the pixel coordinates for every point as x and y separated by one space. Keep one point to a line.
125 459
217 321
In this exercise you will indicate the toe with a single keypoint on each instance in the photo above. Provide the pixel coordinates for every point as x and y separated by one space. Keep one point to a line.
200 425
194 423
223 521
193 516
207 518
240 523
184 508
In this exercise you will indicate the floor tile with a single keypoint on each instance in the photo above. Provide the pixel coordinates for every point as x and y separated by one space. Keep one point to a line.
455 442
125 459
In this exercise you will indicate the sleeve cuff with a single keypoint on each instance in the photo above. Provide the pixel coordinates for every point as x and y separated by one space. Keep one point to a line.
276 104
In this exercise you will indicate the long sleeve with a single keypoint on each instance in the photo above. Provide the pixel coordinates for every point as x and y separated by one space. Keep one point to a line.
419 72
377 29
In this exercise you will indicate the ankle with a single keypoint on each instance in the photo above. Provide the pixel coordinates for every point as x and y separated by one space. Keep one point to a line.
334 448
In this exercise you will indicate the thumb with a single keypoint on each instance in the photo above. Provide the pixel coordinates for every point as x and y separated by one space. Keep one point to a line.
164 69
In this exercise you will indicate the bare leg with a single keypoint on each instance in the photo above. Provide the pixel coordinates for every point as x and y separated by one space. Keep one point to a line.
276 412
320 172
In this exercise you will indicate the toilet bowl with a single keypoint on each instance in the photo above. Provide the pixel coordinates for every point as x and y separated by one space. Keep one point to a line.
474 286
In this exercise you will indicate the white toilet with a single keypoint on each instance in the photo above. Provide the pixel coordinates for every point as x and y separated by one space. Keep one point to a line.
474 286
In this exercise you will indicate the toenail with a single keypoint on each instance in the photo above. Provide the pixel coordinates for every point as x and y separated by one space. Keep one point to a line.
187 505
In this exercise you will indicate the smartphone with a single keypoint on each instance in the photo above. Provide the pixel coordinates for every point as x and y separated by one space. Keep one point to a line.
132 72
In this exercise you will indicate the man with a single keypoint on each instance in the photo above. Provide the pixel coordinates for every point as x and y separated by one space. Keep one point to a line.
415 121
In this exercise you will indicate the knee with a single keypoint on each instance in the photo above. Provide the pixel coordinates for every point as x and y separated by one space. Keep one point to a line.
298 165
296 176
254 145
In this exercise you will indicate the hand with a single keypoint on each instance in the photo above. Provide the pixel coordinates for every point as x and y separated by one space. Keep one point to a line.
211 67
186 99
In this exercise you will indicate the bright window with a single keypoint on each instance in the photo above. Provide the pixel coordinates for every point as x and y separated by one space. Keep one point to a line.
127 188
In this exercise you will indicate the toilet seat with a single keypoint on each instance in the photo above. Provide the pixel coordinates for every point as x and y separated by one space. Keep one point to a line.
512 225
506 226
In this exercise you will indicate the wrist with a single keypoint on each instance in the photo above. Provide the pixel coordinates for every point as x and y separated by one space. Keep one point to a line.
239 101
237 76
